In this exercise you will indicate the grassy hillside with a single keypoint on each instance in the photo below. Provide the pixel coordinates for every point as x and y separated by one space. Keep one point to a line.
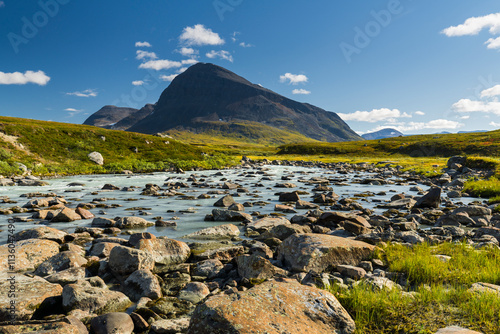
442 145
50 147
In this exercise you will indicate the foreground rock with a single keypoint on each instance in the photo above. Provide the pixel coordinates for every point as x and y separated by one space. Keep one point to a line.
226 231
31 294
320 252
273 307
29 254
115 322
68 325
456 330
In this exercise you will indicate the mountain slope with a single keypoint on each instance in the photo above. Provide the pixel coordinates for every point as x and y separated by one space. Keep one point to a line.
109 115
206 93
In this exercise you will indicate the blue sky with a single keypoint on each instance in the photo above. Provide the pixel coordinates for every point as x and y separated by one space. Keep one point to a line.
418 66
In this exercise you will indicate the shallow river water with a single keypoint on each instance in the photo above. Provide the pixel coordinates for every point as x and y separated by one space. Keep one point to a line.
343 184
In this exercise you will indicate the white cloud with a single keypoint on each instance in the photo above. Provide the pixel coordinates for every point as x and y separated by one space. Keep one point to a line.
198 35
474 25
72 111
161 64
187 52
168 77
245 45
465 117
189 61
376 115
467 105
419 113
490 92
142 45
301 91
145 54
220 54
293 78
436 124
495 124
182 70
85 93
18 78
138 83
493 43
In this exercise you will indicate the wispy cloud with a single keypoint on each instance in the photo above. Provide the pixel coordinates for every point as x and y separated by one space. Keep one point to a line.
85 93
437 124
138 83
245 45
168 77
220 54
18 78
187 52
474 25
2 4
73 112
142 45
301 92
141 54
161 64
198 35
375 115
294 79
419 113
490 92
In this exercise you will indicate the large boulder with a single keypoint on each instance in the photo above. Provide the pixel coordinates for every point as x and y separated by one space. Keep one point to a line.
194 292
226 231
96 157
114 322
430 200
42 232
28 254
142 283
225 202
132 222
222 215
267 223
31 293
273 307
66 215
333 219
256 267
93 299
320 252
68 325
125 260
165 251
59 262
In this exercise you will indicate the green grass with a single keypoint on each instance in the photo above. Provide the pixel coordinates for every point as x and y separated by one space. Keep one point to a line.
60 148
438 294
467 265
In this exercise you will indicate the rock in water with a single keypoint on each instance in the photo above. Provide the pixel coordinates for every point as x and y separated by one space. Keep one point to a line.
115 322
319 252
273 307
97 158
430 200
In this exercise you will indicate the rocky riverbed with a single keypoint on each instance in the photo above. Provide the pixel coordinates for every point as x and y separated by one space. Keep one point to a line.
242 250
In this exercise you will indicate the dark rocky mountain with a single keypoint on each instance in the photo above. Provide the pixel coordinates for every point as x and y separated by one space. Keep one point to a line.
206 94
118 118
381 134
108 115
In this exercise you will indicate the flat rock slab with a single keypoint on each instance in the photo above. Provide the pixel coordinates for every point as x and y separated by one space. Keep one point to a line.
29 254
456 330
30 294
64 326
273 307
320 252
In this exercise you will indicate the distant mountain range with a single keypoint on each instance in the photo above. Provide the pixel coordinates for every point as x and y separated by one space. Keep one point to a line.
208 98
381 134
